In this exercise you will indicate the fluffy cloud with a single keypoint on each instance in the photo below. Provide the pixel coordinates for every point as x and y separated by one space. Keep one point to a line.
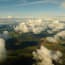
60 35
32 25
57 38
37 30
55 27
56 56
35 22
44 56
38 25
22 27
52 40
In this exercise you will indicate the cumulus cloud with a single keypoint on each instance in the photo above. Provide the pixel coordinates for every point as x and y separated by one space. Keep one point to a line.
55 55
52 40
22 27
35 22
16 28
57 38
34 25
60 35
2 50
37 30
44 56
55 27
38 25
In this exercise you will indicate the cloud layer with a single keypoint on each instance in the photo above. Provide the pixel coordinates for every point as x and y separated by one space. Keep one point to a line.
38 25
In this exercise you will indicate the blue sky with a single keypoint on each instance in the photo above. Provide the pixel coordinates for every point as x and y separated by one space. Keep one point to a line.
32 8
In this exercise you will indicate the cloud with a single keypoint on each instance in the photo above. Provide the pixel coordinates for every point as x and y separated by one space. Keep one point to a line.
17 3
22 28
44 56
63 5
38 25
52 40
33 2
2 50
36 2
57 3
60 36
10 17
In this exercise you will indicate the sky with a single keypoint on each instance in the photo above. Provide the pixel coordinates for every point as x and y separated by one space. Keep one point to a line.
32 8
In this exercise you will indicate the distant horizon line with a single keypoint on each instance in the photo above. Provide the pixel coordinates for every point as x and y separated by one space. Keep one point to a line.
31 17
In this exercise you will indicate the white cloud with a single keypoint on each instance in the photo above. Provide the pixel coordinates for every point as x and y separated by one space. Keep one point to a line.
56 56
38 25
37 30
44 56
22 27
51 40
2 50
60 35
10 17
